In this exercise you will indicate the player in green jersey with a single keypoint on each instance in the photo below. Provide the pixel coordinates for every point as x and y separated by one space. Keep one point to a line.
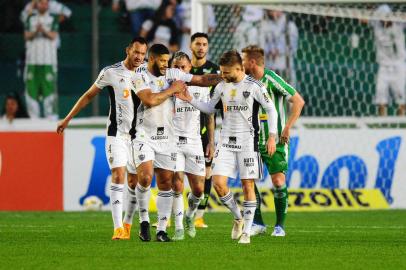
277 164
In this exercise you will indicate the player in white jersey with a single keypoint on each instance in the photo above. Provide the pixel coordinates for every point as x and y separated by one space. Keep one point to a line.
240 97
190 156
154 147
391 56
120 130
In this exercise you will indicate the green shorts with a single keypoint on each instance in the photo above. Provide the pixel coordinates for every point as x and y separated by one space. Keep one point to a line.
40 81
277 163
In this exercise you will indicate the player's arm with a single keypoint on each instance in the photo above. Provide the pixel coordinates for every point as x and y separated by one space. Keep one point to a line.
79 105
206 80
206 107
262 96
297 106
210 130
151 99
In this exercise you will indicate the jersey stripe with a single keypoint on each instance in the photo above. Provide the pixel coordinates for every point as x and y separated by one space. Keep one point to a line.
112 129
136 102
255 124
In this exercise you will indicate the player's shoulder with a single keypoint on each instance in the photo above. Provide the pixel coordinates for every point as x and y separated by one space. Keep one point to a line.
115 66
211 67
252 81
142 68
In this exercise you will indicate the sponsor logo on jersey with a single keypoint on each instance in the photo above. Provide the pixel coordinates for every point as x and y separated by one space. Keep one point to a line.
126 93
186 109
173 156
232 143
249 162
199 159
246 94
238 108
232 140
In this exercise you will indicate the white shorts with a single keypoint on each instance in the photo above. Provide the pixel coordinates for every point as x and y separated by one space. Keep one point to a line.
190 156
391 78
229 163
163 154
118 152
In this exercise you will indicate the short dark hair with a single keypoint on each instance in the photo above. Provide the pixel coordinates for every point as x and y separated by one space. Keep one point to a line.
230 58
199 35
255 52
140 40
158 49
180 55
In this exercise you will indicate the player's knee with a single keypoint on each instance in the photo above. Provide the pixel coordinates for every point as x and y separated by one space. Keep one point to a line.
145 179
177 186
220 189
132 180
278 180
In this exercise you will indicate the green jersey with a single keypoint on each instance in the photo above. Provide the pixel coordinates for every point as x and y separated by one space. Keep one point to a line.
280 92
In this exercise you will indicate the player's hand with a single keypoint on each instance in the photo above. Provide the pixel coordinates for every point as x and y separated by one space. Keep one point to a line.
185 96
271 145
285 136
61 126
178 87
209 151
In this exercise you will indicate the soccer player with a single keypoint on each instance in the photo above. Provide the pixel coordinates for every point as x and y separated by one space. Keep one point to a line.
199 45
237 151
120 130
154 147
277 164
190 157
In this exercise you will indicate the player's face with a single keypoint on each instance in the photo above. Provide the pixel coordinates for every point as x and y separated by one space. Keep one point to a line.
247 64
231 73
42 6
199 47
182 64
136 54
160 64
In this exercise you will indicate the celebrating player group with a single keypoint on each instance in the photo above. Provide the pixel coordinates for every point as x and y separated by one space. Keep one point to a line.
161 123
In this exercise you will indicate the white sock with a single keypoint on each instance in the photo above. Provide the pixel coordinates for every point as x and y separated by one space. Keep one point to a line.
193 204
131 206
178 208
116 202
199 213
164 206
249 211
143 196
230 203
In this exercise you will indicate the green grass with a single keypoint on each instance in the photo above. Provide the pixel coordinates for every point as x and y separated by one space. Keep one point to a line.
329 240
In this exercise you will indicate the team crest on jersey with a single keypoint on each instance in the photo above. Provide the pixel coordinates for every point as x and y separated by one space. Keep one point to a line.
182 140
141 157
246 94
160 131
196 95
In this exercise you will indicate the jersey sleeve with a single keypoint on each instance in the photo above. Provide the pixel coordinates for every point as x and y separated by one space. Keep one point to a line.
208 107
177 74
139 83
281 86
261 95
103 79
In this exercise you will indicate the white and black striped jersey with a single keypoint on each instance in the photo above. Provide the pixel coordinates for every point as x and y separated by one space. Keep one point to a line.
155 124
240 103
123 100
187 118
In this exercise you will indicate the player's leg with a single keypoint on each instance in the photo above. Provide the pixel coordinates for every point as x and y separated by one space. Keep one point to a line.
398 84
199 221
116 155
130 203
49 92
32 91
143 156
178 207
249 205
164 202
382 90
196 183
258 226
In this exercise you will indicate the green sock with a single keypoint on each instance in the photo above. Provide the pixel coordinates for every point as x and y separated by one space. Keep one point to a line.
281 204
258 215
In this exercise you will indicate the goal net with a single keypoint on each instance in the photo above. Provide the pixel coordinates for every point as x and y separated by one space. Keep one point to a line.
327 51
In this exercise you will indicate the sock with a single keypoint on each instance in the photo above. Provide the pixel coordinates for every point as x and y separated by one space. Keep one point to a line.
281 204
164 206
131 206
205 201
143 196
193 204
258 215
249 210
178 208
116 202
230 203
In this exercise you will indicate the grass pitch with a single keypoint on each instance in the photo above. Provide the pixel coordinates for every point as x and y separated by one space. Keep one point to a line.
81 240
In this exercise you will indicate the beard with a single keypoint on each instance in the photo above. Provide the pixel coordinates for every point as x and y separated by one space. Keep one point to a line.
198 56
231 79
156 71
